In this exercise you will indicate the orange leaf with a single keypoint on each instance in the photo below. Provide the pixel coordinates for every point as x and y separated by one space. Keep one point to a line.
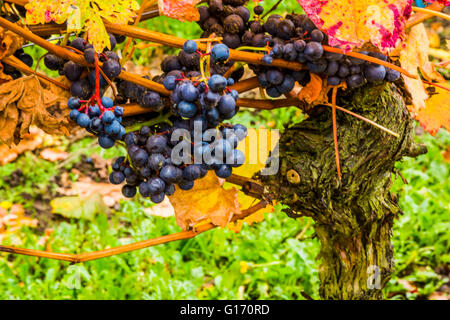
413 57
53 155
183 10
436 113
206 201
313 89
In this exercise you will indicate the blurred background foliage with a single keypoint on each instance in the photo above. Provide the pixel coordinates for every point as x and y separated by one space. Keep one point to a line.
274 259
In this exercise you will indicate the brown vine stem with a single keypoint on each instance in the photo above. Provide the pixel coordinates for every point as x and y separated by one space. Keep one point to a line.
420 17
335 137
69 55
172 41
134 109
22 67
77 258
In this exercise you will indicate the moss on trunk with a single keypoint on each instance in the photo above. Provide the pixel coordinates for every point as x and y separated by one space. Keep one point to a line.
354 216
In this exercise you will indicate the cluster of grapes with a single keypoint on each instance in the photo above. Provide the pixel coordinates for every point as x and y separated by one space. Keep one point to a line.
89 109
163 156
156 162
102 120
210 101
82 86
225 18
296 38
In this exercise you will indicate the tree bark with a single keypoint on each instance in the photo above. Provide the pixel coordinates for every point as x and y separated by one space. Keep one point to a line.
353 216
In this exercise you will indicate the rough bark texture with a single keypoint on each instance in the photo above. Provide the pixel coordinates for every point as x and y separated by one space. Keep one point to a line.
354 216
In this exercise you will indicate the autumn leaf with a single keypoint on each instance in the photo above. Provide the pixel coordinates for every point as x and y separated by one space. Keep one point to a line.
31 141
265 140
436 113
351 23
78 207
207 201
25 102
53 155
183 10
83 14
12 219
432 112
9 43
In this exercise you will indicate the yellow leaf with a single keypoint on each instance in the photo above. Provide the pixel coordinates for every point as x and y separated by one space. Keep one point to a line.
208 200
436 113
256 146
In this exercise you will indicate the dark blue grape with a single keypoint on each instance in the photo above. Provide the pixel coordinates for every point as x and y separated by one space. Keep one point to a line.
108 117
217 83
156 185
186 185
275 77
144 189
333 81
129 191
111 68
224 171
313 51
116 177
83 120
73 103
105 142
171 174
190 46
374 72
156 161
107 102
227 104
156 144
186 109
170 83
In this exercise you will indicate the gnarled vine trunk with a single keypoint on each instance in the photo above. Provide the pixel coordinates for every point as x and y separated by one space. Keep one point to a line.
354 216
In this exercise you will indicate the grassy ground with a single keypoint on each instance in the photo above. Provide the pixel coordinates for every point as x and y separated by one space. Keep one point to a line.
264 261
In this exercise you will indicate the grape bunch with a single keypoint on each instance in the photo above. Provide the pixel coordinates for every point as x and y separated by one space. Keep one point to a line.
83 86
157 161
209 100
89 108
225 18
296 38
102 120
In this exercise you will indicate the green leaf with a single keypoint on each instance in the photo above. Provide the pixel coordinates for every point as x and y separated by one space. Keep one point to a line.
76 207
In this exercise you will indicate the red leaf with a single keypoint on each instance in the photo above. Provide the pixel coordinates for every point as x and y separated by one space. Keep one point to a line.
183 10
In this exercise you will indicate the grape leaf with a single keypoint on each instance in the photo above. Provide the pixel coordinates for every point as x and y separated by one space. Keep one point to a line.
206 201
183 10
83 14
351 23
434 112
9 43
248 169
25 102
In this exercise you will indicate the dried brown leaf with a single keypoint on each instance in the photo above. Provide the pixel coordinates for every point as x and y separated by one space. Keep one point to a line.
25 102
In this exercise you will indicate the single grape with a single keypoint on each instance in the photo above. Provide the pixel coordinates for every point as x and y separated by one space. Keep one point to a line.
129 191
220 52
190 46
111 68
